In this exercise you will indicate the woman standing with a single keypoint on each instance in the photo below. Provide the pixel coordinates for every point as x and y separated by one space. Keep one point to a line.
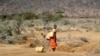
52 38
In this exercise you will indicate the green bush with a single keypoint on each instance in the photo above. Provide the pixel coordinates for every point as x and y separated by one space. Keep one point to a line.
28 16
5 17
47 16
57 16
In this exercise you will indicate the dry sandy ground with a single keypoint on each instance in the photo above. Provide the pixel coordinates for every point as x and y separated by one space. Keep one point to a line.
19 50
91 36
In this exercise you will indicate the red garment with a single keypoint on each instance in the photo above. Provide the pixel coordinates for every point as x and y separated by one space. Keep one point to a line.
53 42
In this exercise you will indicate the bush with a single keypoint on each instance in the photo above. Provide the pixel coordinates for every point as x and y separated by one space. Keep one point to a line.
27 23
8 30
5 17
57 16
66 22
47 16
28 16
84 39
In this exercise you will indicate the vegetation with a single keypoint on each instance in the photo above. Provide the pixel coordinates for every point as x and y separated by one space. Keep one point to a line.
47 16
10 25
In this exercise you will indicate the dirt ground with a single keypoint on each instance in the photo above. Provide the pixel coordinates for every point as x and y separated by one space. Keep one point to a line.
16 50
20 50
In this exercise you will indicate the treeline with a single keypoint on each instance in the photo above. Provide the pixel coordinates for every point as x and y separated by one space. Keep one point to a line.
27 16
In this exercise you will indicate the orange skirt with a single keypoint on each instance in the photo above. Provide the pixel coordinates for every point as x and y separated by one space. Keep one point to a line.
53 43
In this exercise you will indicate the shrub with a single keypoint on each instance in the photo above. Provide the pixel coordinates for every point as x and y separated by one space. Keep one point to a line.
46 16
28 16
27 23
57 16
84 39
66 22
5 17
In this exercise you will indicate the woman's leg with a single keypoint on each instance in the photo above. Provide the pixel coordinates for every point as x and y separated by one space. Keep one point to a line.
53 49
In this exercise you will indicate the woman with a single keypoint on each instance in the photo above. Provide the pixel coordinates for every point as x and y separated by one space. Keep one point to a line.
52 38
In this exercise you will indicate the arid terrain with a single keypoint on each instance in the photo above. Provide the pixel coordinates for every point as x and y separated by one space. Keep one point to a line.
75 37
78 48
24 25
14 50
